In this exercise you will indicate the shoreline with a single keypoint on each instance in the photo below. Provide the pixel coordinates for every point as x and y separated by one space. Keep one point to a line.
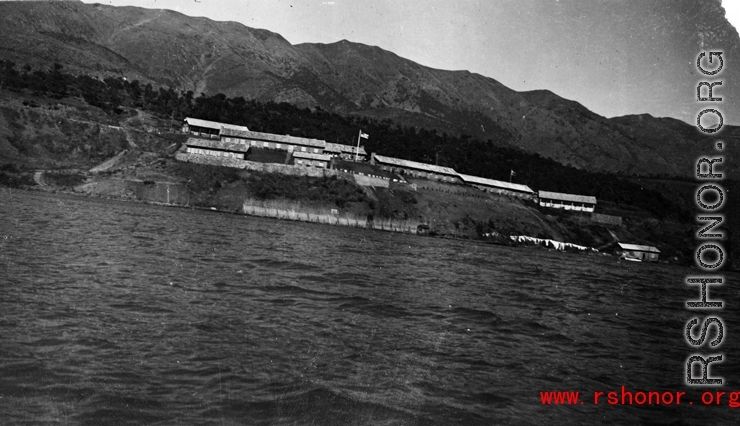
503 243
92 196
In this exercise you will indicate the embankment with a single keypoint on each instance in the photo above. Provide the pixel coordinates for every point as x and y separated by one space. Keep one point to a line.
294 211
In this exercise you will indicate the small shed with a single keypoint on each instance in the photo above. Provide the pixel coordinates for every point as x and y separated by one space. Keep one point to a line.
638 252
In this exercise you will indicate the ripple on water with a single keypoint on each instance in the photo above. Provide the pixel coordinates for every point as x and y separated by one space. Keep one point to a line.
115 313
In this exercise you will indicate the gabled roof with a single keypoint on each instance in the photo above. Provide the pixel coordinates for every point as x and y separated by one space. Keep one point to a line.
212 124
287 139
635 247
333 147
567 197
217 144
348 149
311 156
344 149
496 183
414 165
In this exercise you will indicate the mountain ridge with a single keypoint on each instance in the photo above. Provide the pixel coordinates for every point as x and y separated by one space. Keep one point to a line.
204 56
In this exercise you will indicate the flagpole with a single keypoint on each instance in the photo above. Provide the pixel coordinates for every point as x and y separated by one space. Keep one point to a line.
359 136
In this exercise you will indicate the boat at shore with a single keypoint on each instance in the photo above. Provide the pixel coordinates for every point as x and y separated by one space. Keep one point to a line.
638 253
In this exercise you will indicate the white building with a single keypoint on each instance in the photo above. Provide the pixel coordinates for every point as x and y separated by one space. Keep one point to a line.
205 128
498 187
557 200
414 169
272 141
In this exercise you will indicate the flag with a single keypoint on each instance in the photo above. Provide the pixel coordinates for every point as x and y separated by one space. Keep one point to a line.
512 173
364 135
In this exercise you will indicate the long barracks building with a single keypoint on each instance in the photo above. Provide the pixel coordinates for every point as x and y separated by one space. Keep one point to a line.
499 187
207 129
558 200
412 168
269 140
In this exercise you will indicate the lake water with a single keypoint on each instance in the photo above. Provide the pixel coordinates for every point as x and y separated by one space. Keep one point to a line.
123 313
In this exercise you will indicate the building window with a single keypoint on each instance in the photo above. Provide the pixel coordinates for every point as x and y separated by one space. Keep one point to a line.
278 146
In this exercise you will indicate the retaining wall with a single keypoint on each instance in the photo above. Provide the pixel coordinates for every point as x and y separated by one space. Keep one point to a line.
286 214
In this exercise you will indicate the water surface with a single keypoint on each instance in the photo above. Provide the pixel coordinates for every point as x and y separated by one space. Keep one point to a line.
124 313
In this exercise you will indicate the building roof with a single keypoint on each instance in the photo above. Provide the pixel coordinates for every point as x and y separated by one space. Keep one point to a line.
217 144
349 149
333 147
344 149
287 139
311 156
414 165
363 168
635 247
212 124
496 183
567 197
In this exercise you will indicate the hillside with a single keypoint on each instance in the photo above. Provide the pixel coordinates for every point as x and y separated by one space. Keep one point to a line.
53 144
196 54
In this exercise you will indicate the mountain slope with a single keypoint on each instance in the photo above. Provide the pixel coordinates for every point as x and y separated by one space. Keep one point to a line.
204 56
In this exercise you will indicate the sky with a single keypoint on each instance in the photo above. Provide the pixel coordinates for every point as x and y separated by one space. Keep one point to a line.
616 57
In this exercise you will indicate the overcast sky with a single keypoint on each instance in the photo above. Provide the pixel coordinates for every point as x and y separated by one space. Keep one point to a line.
616 57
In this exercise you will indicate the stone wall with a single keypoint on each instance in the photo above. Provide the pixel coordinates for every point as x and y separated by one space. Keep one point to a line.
329 219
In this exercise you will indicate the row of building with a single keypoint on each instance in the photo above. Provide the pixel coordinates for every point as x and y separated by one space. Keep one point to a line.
235 142
243 138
